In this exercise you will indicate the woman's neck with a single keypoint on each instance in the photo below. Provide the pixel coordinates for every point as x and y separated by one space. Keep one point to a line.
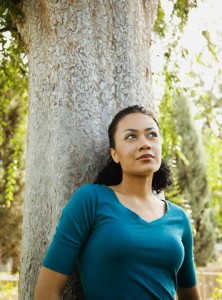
139 187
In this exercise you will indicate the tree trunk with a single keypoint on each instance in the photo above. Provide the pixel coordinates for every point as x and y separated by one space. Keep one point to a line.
87 60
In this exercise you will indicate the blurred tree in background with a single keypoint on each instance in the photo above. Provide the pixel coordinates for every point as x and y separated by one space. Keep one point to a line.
193 181
191 115
13 119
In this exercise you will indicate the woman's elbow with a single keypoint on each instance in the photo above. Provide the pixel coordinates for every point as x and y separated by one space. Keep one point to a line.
188 293
50 285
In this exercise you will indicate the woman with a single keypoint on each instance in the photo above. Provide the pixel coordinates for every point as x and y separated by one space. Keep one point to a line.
129 244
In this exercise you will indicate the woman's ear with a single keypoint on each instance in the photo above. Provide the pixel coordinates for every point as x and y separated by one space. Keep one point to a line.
114 155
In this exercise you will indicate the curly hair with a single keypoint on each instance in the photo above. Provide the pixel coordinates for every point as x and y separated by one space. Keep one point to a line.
111 174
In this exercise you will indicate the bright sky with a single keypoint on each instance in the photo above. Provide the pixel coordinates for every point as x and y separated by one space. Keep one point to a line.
207 17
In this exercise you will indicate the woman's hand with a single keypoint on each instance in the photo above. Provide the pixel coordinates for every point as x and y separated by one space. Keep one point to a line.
50 285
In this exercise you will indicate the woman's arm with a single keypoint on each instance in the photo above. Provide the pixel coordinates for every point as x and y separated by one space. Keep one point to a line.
50 285
71 234
188 293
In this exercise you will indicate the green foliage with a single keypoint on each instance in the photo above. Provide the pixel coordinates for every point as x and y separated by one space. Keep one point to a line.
182 8
11 51
194 182
172 32
214 174
182 148
8 290
214 162
198 193
13 115
160 24
9 11
13 108
209 104
180 11
13 119
217 294
211 46
171 141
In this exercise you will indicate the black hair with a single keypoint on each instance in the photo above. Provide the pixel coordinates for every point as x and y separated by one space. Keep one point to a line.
111 174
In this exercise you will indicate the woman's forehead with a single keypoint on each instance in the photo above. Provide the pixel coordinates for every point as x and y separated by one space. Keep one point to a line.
136 121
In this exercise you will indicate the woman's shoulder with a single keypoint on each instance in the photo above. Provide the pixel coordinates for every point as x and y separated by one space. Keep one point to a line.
90 187
85 196
89 191
178 213
176 208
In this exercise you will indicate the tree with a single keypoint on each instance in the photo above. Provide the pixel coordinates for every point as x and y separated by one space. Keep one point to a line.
193 182
13 105
185 73
87 59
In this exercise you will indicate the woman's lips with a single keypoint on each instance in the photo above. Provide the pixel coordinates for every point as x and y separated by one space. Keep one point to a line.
145 157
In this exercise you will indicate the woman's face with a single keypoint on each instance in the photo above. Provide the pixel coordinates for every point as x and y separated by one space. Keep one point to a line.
138 146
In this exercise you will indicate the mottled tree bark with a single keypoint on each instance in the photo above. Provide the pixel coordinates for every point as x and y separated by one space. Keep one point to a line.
87 60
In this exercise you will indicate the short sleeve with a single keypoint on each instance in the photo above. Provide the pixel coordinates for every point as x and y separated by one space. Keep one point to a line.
72 231
186 276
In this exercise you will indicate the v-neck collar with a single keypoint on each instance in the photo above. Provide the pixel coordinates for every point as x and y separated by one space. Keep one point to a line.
135 215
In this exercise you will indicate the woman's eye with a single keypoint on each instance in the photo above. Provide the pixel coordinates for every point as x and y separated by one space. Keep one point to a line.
153 134
130 136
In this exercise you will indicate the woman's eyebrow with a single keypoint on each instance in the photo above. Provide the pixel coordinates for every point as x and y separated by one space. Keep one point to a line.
135 130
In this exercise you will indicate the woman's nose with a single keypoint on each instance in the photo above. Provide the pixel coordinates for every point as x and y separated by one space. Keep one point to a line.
144 144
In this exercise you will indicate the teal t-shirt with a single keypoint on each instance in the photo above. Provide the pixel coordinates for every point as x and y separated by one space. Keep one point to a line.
121 256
